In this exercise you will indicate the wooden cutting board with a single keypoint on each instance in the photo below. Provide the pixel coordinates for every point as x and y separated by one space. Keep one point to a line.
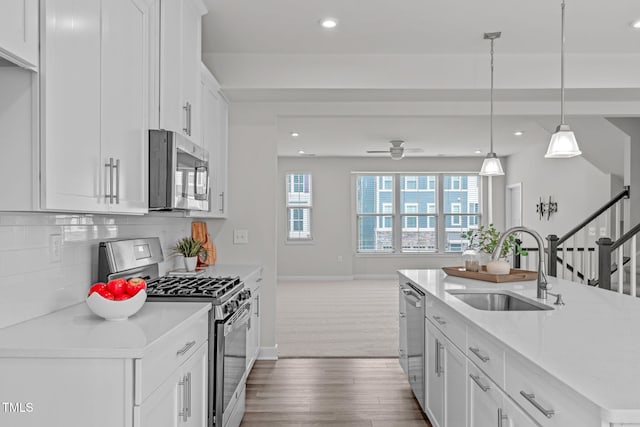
513 276
199 232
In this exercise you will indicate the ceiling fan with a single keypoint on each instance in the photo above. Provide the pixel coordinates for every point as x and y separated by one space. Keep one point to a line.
397 149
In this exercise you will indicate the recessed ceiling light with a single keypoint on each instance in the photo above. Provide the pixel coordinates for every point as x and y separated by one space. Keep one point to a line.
478 152
636 24
295 134
300 151
329 23
518 133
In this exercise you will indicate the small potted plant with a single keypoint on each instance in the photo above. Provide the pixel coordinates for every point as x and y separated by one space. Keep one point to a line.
485 240
190 249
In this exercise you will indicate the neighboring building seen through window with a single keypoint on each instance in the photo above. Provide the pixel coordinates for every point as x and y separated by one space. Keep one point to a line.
415 213
299 203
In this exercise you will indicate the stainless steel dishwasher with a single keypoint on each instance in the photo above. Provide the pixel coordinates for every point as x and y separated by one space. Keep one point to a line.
415 314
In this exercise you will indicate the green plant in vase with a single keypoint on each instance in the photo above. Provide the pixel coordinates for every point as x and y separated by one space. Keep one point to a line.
485 239
190 249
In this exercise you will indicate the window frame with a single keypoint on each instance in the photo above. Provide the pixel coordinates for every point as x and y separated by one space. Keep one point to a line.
290 182
436 217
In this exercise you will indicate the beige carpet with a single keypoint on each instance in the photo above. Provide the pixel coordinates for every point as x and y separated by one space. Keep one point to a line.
355 318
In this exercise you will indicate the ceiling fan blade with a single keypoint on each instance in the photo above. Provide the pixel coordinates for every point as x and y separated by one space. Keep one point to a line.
413 150
378 151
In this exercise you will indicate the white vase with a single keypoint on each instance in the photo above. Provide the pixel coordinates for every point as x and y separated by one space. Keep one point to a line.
500 266
190 263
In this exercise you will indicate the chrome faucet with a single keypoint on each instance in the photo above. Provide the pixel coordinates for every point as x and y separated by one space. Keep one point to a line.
543 286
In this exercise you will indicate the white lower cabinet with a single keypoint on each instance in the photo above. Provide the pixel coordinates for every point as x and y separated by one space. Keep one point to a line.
445 373
180 400
253 282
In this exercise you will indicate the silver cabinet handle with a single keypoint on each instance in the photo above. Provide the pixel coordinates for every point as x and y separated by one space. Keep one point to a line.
437 367
476 379
188 387
257 305
221 202
186 348
183 410
189 115
402 315
439 320
186 118
110 166
476 351
531 398
501 417
117 191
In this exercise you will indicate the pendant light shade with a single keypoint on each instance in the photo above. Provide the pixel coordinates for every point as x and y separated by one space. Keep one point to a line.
491 165
563 142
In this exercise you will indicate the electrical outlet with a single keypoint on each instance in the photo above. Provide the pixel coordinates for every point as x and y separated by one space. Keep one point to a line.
339 258
55 248
240 237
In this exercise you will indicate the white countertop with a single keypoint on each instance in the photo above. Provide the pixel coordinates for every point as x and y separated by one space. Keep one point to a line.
76 332
591 344
243 271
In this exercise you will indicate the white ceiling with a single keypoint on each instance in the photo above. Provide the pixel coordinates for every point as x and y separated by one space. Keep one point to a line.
416 27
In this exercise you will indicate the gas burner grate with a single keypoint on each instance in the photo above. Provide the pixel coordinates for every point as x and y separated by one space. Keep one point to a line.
206 287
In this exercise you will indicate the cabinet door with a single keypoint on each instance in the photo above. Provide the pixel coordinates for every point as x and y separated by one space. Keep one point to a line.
19 32
455 388
434 374
124 103
253 333
222 155
485 399
195 377
180 42
71 162
190 63
162 407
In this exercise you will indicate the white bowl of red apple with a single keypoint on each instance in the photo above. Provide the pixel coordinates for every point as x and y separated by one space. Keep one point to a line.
117 299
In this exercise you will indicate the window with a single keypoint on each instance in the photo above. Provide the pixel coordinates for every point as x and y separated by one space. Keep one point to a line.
404 213
299 206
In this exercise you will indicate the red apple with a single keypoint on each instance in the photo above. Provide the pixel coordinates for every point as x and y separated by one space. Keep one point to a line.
97 287
105 293
117 286
135 285
122 297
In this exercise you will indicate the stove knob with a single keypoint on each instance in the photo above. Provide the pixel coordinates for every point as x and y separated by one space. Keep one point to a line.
225 309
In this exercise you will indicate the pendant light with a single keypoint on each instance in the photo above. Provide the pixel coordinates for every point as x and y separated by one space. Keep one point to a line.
563 142
491 165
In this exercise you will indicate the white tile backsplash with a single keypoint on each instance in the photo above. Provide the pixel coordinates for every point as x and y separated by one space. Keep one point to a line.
32 285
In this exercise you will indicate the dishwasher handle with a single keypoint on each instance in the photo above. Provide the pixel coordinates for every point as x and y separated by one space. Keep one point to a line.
412 297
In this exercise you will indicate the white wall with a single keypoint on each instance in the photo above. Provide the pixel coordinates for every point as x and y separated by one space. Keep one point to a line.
576 185
332 216
252 206
32 285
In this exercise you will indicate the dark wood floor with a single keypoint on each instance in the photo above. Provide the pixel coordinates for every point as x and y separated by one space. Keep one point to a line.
330 392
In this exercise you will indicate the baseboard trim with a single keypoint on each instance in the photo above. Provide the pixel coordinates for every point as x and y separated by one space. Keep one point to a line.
313 278
268 353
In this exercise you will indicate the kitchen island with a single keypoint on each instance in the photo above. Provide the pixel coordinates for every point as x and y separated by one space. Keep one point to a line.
568 365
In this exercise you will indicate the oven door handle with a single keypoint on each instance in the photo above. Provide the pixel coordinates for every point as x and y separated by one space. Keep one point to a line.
237 323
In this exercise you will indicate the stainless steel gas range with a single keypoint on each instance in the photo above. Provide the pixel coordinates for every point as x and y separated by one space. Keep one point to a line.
228 317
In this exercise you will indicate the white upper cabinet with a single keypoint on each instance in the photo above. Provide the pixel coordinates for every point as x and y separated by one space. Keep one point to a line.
19 32
178 29
94 106
214 138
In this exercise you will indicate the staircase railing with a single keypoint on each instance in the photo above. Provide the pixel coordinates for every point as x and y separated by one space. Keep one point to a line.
606 267
573 256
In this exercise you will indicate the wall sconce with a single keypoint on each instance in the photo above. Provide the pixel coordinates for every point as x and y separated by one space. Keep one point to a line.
547 209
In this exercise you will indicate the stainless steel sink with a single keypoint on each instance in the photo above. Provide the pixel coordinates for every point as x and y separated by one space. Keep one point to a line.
498 301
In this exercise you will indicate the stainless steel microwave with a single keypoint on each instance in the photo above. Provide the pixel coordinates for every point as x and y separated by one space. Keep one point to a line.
178 173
